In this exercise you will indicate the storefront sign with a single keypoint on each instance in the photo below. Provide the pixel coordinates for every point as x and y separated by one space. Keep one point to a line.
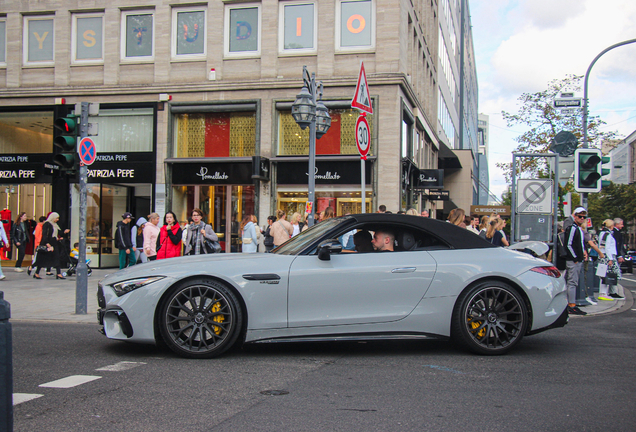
428 179
438 196
29 168
488 209
138 167
260 168
326 172
212 173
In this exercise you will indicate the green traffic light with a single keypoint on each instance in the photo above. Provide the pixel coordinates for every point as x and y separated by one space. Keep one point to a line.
66 142
66 161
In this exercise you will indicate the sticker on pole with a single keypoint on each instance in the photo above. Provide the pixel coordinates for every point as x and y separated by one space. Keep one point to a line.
87 151
361 98
363 136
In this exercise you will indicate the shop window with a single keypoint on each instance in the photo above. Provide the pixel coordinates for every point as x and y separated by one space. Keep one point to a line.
26 132
340 139
38 41
355 25
125 130
87 38
243 30
137 38
3 41
215 134
188 33
297 32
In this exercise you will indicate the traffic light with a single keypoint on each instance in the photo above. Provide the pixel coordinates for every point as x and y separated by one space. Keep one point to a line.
605 171
588 170
66 140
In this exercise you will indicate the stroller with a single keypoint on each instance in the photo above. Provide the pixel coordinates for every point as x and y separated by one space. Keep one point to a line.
72 269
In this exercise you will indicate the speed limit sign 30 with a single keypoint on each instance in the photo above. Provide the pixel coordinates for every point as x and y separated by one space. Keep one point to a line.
363 136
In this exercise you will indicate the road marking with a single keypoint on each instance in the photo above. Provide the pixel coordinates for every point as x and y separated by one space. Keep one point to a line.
18 398
71 381
121 366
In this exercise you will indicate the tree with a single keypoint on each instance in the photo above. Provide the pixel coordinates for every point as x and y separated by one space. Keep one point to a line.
543 121
615 200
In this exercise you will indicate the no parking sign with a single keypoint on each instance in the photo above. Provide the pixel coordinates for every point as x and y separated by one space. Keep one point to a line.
87 151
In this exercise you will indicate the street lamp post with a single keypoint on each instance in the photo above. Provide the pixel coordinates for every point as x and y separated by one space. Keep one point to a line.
308 110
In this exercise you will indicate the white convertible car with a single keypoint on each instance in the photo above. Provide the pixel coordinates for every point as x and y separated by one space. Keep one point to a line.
440 281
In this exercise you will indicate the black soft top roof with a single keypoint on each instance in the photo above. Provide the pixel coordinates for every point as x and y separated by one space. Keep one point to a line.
456 237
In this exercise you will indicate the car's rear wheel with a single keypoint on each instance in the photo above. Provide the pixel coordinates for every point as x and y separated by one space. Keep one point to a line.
490 318
200 319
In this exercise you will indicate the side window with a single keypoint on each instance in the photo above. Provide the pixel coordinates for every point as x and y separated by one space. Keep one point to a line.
297 31
38 41
243 30
188 33
87 42
137 36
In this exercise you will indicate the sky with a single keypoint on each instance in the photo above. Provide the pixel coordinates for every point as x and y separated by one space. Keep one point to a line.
521 45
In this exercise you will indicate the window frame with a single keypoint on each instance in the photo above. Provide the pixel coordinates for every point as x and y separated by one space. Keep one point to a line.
357 48
226 29
25 41
74 40
281 29
174 32
3 64
122 54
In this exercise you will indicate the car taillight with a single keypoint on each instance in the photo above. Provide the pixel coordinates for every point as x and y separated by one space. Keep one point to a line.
548 271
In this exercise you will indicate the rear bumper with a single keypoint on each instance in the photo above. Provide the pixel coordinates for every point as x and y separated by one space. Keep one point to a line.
561 321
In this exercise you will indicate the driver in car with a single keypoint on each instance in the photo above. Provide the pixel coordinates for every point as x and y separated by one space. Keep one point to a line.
383 240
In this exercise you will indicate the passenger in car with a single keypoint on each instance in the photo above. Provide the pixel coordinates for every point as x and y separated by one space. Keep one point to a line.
383 240
363 241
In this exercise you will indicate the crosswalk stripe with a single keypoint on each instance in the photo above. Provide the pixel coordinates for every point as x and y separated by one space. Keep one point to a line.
18 398
70 381
121 366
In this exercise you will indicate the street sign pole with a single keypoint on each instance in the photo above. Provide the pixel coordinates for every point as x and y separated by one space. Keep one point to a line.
363 193
81 284
363 142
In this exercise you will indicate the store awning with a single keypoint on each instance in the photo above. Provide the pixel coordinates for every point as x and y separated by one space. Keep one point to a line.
447 158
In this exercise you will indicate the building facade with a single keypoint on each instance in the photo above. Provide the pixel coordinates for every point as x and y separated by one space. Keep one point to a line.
191 93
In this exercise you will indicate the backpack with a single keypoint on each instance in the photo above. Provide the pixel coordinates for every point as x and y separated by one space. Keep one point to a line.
562 251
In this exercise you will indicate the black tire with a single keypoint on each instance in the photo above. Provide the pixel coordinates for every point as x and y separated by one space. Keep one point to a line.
200 319
490 318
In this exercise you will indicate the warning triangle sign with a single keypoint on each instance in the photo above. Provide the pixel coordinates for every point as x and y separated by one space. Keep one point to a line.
361 98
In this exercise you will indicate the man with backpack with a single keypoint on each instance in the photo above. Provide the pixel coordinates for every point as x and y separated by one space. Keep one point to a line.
576 255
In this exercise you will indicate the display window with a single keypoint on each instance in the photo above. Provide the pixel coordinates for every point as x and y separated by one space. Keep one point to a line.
342 202
339 139
26 132
216 134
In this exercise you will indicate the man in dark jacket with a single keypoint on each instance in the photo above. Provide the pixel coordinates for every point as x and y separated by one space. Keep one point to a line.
576 256
123 242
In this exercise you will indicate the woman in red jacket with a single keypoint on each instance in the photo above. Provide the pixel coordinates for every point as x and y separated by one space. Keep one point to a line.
169 240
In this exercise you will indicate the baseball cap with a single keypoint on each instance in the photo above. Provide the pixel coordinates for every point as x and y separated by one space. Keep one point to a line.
580 210
127 215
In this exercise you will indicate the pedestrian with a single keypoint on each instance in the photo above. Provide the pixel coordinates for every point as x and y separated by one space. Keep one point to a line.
327 213
424 213
198 232
593 254
268 239
170 235
483 226
295 221
281 230
494 234
608 245
123 241
258 230
411 212
151 234
473 224
575 256
50 255
37 238
457 217
5 241
248 235
382 209
137 237
620 252
20 237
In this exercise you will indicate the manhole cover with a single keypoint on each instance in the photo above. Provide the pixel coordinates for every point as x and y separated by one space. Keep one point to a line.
274 392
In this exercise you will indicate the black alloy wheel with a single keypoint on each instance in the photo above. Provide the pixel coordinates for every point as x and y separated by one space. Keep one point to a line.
491 318
201 319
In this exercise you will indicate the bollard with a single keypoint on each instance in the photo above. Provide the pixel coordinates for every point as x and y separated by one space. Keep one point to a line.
6 367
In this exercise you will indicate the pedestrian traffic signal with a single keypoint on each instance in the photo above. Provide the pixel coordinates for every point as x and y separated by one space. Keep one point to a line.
588 170
66 140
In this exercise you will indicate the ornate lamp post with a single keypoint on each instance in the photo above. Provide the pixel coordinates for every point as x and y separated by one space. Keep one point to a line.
307 110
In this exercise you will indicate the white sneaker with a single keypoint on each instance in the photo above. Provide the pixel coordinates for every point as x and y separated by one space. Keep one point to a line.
19 269
2 277
591 300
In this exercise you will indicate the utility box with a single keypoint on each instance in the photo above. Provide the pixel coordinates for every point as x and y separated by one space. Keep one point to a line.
534 227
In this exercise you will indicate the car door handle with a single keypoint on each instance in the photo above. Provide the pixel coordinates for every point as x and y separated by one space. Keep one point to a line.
403 270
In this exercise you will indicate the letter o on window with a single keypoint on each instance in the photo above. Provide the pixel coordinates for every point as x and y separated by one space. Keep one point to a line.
361 25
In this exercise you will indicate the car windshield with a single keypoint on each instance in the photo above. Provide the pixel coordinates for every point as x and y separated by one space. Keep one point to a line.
301 241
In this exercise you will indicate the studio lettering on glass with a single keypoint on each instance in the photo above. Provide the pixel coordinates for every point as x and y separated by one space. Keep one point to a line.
89 44
356 24
40 39
138 35
299 33
243 30
190 32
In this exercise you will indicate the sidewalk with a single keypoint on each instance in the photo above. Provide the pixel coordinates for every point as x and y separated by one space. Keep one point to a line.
54 300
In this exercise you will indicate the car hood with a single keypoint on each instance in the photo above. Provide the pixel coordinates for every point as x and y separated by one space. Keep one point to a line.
201 264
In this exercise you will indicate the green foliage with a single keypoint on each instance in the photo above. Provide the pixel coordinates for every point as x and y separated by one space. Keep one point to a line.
543 122
613 201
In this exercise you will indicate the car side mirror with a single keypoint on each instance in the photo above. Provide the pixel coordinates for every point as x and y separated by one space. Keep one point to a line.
328 247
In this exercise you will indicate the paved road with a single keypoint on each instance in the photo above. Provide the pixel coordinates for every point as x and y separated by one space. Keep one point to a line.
577 378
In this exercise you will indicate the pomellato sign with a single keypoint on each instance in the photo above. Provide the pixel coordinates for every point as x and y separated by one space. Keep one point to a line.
211 173
428 179
326 172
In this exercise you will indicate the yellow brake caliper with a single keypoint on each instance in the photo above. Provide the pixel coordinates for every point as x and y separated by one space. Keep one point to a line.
475 325
218 318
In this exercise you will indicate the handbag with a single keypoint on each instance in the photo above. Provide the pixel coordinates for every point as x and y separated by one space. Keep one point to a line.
41 248
247 240
211 246
610 278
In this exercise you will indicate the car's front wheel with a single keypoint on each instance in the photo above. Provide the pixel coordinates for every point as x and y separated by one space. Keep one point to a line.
200 319
490 318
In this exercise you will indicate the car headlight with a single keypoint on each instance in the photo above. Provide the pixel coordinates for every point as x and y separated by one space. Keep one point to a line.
124 287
